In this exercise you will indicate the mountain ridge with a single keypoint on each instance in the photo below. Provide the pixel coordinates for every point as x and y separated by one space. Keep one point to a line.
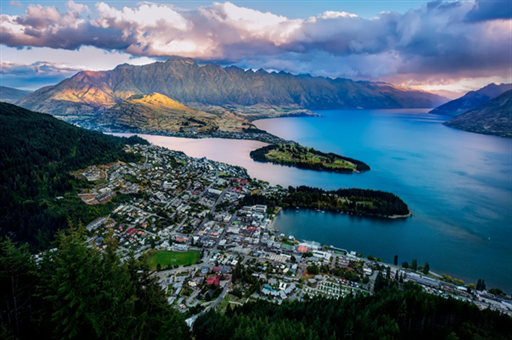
472 99
90 93
491 118
157 112
11 94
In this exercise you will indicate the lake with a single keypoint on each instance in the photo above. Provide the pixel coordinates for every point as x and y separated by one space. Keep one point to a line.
457 184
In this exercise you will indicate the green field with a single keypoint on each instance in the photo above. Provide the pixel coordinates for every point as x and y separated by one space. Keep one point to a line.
173 258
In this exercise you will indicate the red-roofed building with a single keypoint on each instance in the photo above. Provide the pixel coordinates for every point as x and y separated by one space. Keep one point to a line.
302 249
217 269
213 280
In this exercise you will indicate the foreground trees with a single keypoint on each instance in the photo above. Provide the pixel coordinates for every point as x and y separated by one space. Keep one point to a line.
389 314
76 292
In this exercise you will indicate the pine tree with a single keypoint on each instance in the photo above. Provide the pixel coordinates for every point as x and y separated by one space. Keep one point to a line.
426 269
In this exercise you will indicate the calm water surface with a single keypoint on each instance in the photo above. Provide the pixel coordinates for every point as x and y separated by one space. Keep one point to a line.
457 184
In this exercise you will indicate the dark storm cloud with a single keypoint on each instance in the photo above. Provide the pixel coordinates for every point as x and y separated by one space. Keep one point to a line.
490 10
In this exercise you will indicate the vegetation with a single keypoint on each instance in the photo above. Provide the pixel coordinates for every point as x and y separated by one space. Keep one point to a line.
77 292
307 158
172 258
389 314
357 201
37 155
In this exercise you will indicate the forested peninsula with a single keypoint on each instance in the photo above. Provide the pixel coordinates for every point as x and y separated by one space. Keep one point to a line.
354 201
307 158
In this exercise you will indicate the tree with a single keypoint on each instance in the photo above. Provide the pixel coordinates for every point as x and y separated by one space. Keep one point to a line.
293 259
388 272
17 284
158 267
414 265
380 283
405 264
426 269
395 260
89 294
313 269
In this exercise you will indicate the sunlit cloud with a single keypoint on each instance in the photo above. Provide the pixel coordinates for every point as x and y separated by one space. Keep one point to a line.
434 43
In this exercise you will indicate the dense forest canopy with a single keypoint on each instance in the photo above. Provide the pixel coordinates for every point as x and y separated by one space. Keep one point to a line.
358 201
37 154
78 292
389 314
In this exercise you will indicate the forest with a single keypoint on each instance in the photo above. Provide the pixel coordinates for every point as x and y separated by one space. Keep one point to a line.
307 158
389 314
77 292
37 154
357 201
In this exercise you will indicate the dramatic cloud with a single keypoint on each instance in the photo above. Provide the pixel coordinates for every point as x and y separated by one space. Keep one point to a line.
437 42
490 10
35 75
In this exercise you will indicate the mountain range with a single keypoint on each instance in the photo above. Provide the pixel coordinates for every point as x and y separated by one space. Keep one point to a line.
88 93
493 117
471 100
10 94
156 112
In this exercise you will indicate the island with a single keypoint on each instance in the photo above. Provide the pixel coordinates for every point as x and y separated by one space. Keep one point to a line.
307 158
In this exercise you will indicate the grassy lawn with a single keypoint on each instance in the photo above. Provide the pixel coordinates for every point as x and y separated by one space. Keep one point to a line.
173 258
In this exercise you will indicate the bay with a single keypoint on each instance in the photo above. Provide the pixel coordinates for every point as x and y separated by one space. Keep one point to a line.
457 184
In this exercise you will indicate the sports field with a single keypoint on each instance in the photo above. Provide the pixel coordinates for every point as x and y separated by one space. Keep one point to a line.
173 258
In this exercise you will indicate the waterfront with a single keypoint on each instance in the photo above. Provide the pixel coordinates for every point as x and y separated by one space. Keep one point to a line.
457 184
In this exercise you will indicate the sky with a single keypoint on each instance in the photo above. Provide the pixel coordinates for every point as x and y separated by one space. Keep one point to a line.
445 47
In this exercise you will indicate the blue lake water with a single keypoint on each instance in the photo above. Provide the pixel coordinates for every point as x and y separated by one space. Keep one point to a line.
457 184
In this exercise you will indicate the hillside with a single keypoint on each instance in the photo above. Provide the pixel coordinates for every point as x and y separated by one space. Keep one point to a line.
156 112
37 154
89 93
408 313
10 94
491 118
471 100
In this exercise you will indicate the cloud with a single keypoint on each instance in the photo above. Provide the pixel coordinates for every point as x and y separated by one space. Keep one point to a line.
15 4
484 10
34 75
436 41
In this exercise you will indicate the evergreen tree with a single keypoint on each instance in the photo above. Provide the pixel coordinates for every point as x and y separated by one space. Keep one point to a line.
426 269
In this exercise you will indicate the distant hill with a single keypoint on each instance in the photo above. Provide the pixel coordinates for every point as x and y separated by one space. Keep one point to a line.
491 118
471 100
156 112
37 154
89 93
10 94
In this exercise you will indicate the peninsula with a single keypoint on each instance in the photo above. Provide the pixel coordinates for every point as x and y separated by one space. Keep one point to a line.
307 158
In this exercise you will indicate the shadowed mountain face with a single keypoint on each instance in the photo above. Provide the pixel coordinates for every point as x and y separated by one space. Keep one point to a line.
10 94
491 118
156 112
90 93
471 100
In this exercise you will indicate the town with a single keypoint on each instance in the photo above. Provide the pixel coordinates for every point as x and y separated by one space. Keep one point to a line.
186 217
